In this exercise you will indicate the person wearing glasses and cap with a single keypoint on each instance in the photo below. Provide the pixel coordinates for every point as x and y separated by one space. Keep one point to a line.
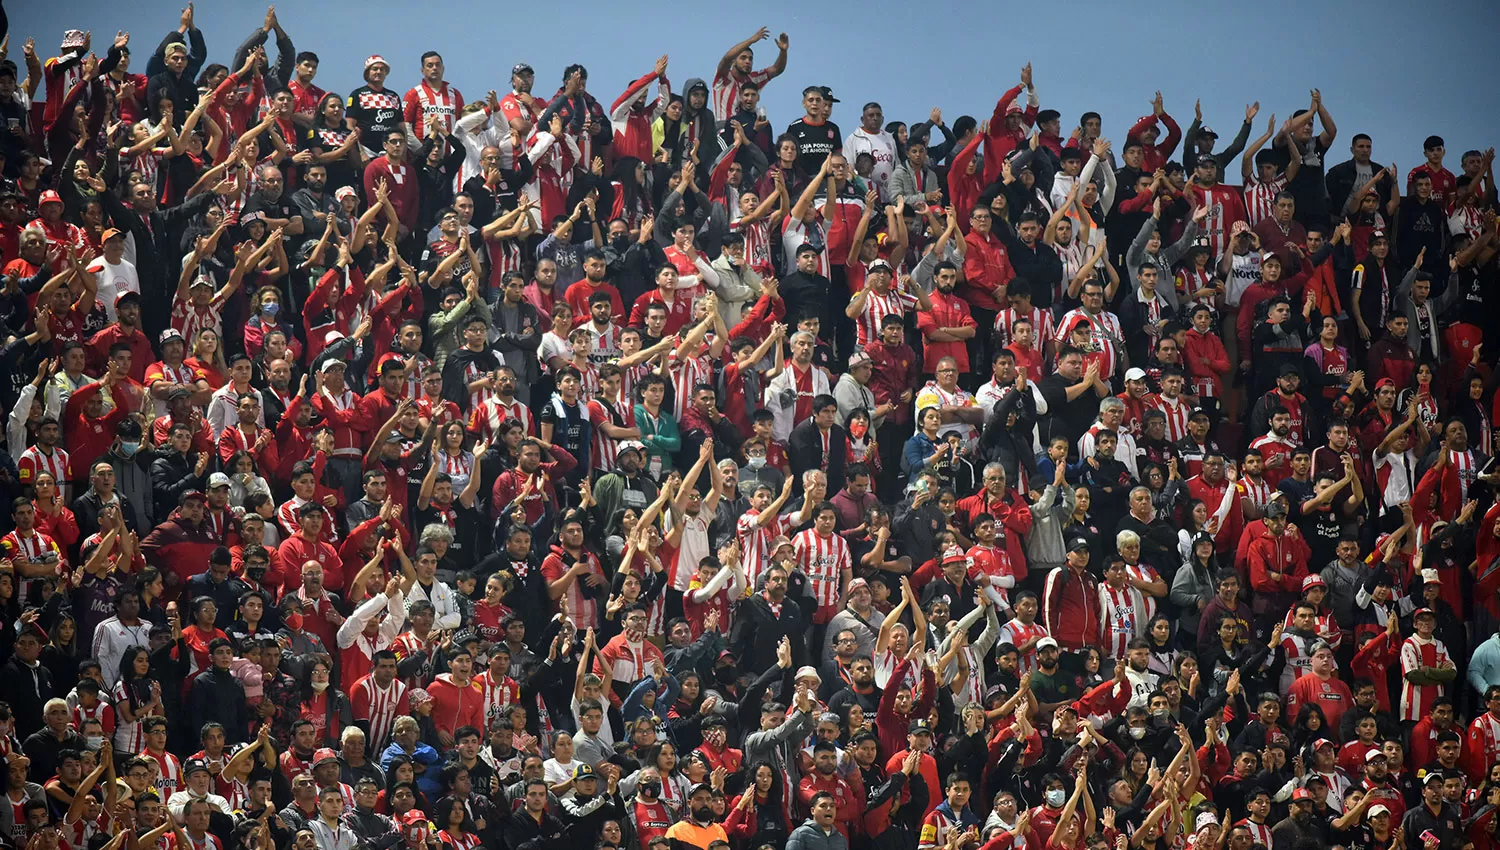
373 108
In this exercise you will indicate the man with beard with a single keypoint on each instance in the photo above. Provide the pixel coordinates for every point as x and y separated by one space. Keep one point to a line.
1377 784
270 200
1299 825
946 323
316 208
824 781
1275 447
532 826
1286 396
698 828
1320 686
764 620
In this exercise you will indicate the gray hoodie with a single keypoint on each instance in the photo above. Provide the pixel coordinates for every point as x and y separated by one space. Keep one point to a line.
1044 545
1163 259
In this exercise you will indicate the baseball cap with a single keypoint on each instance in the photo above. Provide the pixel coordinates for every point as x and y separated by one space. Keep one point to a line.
954 555
859 358
1373 755
881 264
1302 795
807 247
1239 227
180 392
49 197
1197 413
630 446
1290 369
1013 108
330 364
1080 544
1377 234
584 771
919 727
1321 743
1046 642
1206 130
324 755
521 68
1274 509
1430 576
218 479
189 495
194 765
129 293
1423 612
1433 775
856 584
828 94
1312 581
1377 810
111 233
807 672
1135 373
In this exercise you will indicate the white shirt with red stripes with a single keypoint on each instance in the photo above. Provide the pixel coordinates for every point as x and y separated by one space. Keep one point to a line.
1121 618
823 560
1416 653
1176 411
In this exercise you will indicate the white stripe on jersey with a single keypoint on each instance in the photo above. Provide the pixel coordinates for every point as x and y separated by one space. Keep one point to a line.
822 560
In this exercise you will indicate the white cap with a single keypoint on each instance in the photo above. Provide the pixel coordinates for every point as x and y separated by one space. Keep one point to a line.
808 672
1046 642
1135 373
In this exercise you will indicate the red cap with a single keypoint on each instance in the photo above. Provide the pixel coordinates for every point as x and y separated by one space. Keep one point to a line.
1301 794
49 197
324 754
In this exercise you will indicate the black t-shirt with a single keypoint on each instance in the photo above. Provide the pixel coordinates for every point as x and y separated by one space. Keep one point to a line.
1322 530
1360 838
325 139
1308 186
376 113
814 143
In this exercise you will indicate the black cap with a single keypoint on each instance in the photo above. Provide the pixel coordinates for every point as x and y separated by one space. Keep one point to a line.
919 727
828 94
1079 544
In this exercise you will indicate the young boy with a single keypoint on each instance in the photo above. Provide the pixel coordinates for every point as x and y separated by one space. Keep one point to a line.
989 564
761 421
1108 480
1023 346
1024 631
1057 452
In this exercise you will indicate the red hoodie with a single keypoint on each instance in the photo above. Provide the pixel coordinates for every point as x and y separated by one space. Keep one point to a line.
455 705
1286 555
1000 141
1156 155
179 549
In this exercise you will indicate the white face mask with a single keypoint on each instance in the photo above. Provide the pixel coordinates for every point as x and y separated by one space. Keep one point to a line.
1137 732
755 462
1056 797
319 687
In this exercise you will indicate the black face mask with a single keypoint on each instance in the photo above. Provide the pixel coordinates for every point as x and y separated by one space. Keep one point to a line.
703 815
724 675
620 243
650 789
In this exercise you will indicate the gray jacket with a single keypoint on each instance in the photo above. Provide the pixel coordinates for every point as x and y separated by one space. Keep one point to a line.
7 816
738 285
1163 259
810 836
1044 545
1435 307
1188 589
779 746
904 183
852 395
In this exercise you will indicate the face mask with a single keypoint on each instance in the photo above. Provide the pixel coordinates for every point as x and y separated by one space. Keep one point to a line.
95 741
755 462
1056 797
129 449
319 687
1137 732
294 622
620 243
703 815
650 789
270 308
724 675
1161 713
857 430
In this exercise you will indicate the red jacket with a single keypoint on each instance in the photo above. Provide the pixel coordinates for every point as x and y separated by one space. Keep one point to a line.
1070 608
404 192
179 549
1013 521
1206 360
296 551
1286 555
986 266
964 188
1156 155
99 344
89 438
1000 141
847 804
890 725
508 486
455 705
346 420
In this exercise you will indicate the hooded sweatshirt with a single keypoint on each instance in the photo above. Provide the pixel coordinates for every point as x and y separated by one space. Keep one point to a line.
455 705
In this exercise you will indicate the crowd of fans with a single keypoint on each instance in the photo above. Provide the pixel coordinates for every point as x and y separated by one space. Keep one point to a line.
397 470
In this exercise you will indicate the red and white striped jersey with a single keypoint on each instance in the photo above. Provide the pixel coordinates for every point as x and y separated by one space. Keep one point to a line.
379 707
472 373
468 841
128 737
1146 573
1260 198
168 773
209 841
604 345
1324 626
1417 700
757 245
1297 651
76 834
458 467
1257 491
1259 833
823 560
582 610
101 711
1396 476
486 419
877 307
991 562
33 547
605 448
1015 633
35 461
688 373
1121 618
1041 324
629 377
726 91
423 101
755 541
794 232
498 695
505 257
191 320
1467 469
1176 411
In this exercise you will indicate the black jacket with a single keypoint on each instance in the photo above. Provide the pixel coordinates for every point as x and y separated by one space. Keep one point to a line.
805 451
758 629
1340 182
523 832
217 696
86 510
1038 263
172 474
26 690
